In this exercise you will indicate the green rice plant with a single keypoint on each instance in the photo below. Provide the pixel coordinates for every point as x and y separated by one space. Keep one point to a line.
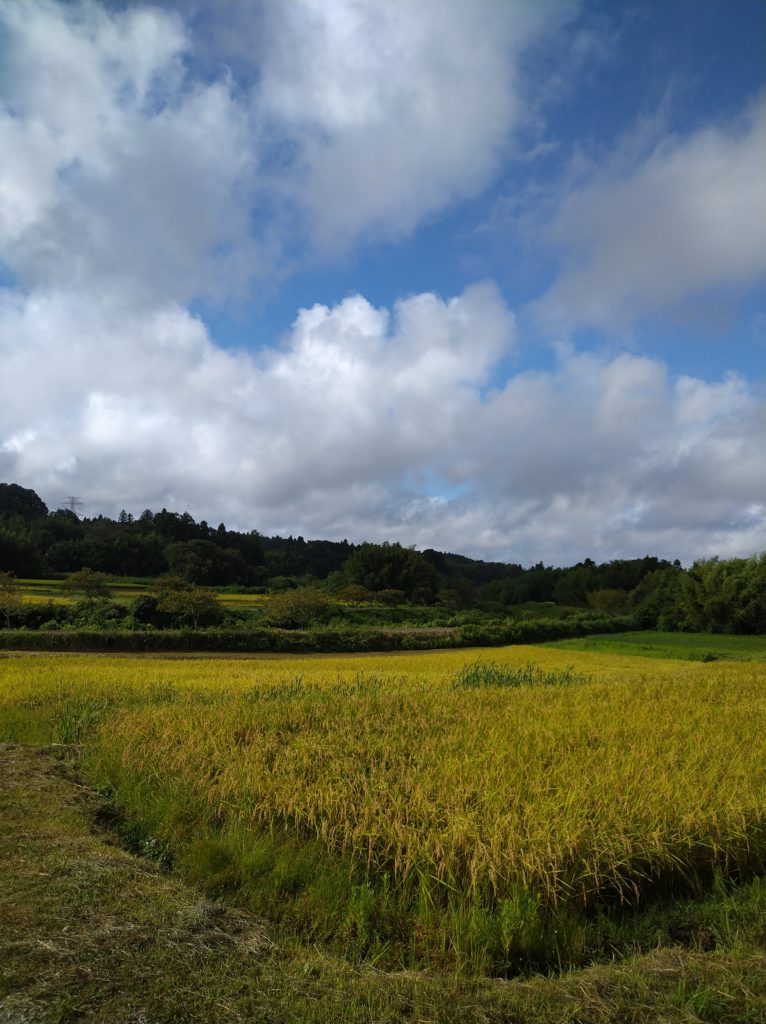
520 922
283 690
73 719
481 674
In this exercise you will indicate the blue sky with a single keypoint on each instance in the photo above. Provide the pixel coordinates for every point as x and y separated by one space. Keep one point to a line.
486 276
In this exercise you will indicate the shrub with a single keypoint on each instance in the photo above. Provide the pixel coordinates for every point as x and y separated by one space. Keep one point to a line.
296 609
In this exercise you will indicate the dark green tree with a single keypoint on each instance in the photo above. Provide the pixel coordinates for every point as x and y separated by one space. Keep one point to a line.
21 501
393 567
10 597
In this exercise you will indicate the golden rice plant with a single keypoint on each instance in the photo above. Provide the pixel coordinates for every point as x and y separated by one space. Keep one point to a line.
494 790
651 771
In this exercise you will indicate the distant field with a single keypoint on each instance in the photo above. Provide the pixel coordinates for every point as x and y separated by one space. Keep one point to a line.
42 591
243 601
688 646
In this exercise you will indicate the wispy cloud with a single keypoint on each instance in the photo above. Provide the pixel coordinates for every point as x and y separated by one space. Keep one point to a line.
638 235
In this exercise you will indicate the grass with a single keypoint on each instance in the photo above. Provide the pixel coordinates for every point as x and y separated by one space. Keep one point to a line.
482 674
688 646
90 932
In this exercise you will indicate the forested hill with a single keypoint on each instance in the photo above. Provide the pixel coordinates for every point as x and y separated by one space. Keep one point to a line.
36 542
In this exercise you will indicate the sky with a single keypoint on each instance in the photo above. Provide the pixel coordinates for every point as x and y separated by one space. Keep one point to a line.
485 276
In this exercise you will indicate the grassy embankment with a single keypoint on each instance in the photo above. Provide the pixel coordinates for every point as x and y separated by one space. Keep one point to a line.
654 644
418 811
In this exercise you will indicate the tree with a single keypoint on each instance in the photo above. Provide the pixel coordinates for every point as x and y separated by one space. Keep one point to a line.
355 594
655 601
572 586
392 567
192 604
10 597
87 581
18 553
296 609
21 501
724 595
448 597
610 600
202 562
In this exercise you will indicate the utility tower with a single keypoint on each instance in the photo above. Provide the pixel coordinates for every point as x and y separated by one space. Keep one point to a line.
74 504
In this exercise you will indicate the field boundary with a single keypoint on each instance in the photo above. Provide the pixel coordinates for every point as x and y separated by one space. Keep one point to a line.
310 641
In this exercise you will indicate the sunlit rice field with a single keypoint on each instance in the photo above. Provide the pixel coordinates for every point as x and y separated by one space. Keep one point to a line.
55 592
492 809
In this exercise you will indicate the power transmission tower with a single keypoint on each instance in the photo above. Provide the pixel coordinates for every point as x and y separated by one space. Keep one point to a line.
74 504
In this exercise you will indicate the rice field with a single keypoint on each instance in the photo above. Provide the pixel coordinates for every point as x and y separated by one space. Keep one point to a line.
55 592
475 807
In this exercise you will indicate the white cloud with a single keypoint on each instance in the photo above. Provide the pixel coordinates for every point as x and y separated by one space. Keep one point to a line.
131 180
117 171
396 109
646 236
380 425
129 160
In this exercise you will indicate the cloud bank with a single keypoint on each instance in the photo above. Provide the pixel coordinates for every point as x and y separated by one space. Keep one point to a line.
381 425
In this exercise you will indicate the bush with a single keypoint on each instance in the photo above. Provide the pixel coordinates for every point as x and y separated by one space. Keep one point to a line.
96 613
297 609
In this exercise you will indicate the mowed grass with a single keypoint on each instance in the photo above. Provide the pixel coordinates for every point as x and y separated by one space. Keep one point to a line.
389 807
654 644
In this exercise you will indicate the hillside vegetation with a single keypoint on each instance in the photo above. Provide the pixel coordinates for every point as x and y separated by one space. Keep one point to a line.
164 570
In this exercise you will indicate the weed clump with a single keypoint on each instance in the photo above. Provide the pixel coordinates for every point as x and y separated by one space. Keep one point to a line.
479 675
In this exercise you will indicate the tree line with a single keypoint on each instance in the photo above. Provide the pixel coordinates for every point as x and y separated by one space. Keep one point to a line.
712 595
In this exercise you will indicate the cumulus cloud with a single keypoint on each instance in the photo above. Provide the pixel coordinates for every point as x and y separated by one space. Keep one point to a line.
128 159
641 237
379 424
117 170
396 109
138 174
